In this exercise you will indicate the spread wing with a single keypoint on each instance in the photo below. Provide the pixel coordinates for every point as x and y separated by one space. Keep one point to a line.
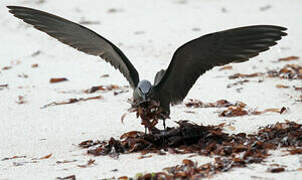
79 37
199 55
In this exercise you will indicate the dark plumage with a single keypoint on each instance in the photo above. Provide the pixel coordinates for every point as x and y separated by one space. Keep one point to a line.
189 61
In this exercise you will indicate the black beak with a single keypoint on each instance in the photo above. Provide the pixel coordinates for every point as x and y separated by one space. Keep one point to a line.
144 97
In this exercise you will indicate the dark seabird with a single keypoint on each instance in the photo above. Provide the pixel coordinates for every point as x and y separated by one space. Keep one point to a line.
189 61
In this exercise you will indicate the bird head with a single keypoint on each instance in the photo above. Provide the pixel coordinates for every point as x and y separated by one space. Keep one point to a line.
142 92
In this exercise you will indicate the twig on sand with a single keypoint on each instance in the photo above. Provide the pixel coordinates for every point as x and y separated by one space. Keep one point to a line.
71 100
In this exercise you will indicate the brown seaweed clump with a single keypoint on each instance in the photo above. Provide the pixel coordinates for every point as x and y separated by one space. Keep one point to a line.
237 150
289 71
149 112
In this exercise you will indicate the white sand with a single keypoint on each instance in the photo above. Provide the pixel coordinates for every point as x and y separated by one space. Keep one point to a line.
27 130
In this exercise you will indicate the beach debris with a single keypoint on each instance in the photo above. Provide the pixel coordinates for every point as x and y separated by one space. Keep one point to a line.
6 68
149 112
295 151
2 86
35 65
289 58
195 103
25 76
237 150
46 156
115 93
12 64
36 53
71 177
106 88
89 143
56 80
233 109
65 161
281 86
123 178
226 68
43 157
13 157
21 100
90 162
144 156
289 71
102 88
71 101
298 88
104 75
276 170
204 140
283 109
240 82
240 75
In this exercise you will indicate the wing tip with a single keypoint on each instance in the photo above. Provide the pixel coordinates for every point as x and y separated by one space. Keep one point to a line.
15 7
10 7
282 29
19 9
283 34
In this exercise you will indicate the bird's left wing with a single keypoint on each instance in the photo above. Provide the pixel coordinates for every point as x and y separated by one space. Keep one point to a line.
79 37
199 55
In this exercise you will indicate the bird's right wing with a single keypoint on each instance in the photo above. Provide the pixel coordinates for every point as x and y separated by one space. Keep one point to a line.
79 37
199 55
